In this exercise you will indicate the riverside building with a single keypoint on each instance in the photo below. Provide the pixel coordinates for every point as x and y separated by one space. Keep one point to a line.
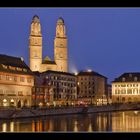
91 88
16 82
61 87
126 88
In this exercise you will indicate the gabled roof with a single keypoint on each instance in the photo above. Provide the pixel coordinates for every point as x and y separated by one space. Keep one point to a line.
91 73
58 72
128 77
47 60
16 62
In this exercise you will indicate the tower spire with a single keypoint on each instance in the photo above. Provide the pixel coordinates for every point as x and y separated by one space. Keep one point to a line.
35 44
60 46
60 28
35 26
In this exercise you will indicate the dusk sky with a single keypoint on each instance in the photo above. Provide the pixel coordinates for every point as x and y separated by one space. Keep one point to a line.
106 40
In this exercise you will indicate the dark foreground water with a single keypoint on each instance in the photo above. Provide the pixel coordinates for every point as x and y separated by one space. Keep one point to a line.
127 121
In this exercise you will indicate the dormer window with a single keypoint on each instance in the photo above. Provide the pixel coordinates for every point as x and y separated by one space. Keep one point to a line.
123 79
4 66
135 78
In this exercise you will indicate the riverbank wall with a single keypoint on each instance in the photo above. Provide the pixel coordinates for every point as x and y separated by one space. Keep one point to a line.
12 113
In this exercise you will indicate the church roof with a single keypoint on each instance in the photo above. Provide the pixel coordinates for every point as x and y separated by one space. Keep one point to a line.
14 65
47 60
60 20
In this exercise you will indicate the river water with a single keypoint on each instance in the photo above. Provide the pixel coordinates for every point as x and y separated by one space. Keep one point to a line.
126 121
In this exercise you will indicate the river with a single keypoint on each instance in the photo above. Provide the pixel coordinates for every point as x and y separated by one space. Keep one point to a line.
124 121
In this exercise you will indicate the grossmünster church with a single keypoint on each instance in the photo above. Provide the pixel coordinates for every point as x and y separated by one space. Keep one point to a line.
36 61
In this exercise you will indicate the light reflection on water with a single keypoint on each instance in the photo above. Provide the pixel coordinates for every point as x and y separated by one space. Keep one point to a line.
127 121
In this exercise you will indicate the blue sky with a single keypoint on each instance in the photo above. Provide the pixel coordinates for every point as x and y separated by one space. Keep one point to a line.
106 40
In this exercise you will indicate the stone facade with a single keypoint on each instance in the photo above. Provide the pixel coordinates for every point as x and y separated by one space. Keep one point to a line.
63 86
37 63
16 82
126 88
91 87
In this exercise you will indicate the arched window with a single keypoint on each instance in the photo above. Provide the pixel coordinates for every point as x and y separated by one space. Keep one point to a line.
12 102
5 103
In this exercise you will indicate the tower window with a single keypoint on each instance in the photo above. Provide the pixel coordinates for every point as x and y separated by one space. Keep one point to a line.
35 53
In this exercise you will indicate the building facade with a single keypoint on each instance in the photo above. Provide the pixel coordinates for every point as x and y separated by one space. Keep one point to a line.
63 86
37 63
42 92
126 88
16 82
91 87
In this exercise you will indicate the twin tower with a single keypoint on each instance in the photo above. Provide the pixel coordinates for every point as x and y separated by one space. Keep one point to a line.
36 62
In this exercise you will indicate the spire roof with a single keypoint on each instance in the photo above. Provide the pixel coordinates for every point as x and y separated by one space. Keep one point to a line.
35 18
60 20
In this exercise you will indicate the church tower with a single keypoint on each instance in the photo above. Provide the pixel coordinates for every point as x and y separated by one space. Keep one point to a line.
60 47
35 44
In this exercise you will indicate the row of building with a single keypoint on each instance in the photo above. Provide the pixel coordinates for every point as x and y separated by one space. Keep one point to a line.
19 86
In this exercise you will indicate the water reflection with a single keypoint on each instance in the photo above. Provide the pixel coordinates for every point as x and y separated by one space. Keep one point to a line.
117 121
126 121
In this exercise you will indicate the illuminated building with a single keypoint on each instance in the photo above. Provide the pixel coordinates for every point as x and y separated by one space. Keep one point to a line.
42 92
37 63
91 87
126 88
16 82
63 86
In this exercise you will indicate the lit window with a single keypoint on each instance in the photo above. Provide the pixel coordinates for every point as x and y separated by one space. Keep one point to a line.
29 80
22 79
15 78
20 93
9 78
25 70
4 66
19 69
12 68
